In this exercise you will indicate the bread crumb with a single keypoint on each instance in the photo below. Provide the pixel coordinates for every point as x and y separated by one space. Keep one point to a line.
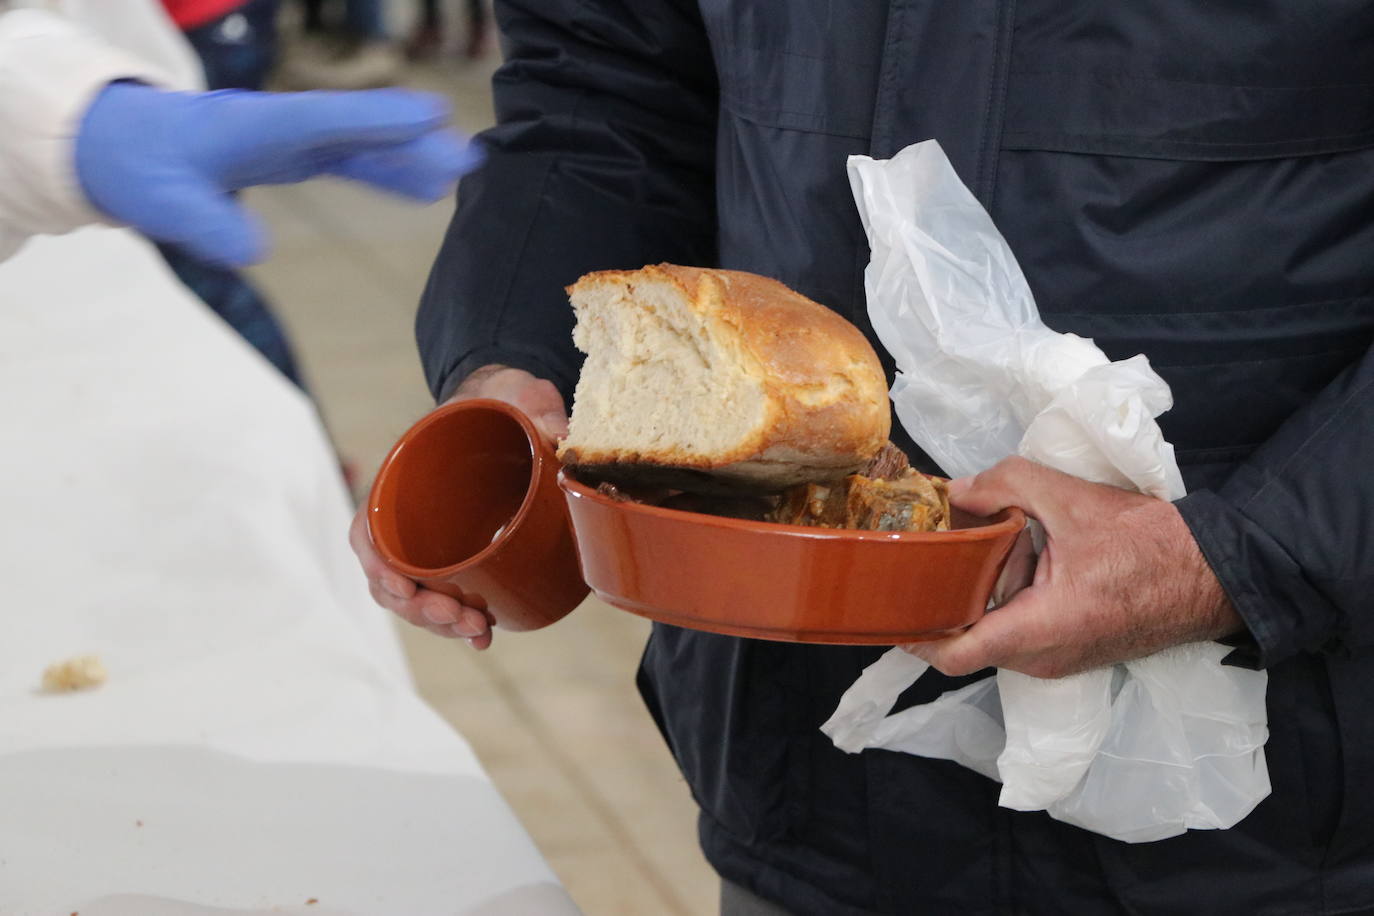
312 901
78 673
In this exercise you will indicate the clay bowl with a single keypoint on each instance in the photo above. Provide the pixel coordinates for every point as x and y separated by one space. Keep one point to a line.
787 582
467 503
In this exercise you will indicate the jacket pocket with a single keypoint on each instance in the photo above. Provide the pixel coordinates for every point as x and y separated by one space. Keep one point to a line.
1118 114
1352 845
1192 79
811 66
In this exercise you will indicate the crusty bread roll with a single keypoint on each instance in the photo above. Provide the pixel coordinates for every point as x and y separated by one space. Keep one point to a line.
728 375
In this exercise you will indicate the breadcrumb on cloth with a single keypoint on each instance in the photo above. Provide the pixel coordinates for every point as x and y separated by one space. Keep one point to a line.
81 672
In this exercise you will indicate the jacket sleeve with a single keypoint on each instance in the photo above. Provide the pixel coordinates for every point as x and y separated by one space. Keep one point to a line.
1291 533
50 72
602 157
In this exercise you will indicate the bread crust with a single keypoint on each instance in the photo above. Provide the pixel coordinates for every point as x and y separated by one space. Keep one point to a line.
825 390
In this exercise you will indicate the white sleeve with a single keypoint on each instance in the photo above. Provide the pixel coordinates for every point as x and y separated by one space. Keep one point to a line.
50 72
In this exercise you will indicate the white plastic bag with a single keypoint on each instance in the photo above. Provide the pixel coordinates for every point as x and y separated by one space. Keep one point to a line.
1139 751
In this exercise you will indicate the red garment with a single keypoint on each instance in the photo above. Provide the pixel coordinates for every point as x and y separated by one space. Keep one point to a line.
189 14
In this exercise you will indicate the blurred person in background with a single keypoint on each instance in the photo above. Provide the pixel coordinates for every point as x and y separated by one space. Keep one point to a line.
349 52
236 43
428 38
235 40
173 506
1189 180
91 133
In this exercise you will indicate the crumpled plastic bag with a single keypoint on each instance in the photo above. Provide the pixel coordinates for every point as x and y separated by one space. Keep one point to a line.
1139 751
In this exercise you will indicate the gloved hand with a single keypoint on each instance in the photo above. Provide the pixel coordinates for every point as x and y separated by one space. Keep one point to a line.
166 162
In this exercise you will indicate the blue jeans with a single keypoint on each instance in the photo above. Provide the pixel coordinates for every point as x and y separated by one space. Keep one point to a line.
237 52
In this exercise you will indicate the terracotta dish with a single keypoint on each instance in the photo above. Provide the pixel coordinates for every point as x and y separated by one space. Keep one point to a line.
468 504
787 582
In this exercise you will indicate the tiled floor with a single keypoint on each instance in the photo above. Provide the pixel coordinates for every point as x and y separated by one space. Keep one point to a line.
553 714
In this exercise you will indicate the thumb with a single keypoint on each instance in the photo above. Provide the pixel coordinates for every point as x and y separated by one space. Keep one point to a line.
208 223
541 402
1036 489
981 494
553 424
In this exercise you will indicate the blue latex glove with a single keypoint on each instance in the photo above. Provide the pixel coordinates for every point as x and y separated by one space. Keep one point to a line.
167 162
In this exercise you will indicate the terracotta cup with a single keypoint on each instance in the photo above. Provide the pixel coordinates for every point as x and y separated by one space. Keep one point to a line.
468 504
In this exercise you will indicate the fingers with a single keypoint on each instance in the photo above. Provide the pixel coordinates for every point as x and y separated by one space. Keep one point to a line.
553 425
200 218
374 567
1023 636
991 491
1002 638
425 168
999 639
421 607
439 614
542 403
537 398
309 121
1039 491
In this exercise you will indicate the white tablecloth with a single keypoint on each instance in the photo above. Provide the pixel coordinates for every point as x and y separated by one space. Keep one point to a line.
171 504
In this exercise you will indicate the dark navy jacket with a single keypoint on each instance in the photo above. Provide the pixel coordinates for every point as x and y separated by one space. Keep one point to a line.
1190 179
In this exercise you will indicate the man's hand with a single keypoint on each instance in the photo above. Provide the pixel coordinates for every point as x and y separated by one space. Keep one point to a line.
1120 578
438 613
